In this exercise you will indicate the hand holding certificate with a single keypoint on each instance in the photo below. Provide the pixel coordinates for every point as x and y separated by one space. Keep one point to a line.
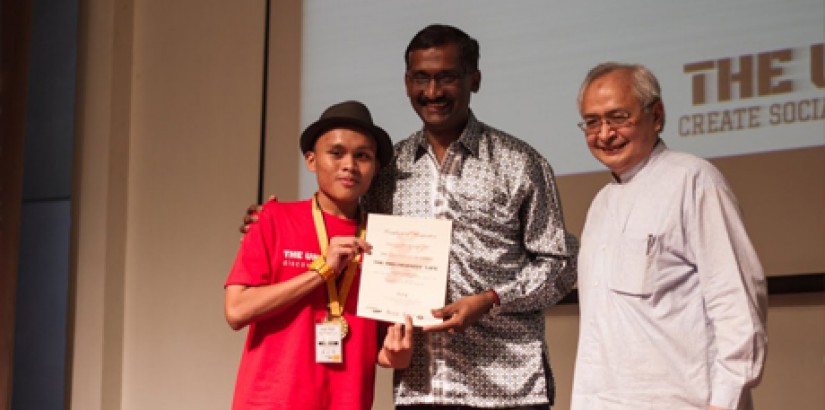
407 270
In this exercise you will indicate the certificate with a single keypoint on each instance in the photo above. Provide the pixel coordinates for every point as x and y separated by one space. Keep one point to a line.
407 270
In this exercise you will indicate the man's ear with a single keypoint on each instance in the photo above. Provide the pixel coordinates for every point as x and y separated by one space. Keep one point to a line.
309 160
476 84
659 115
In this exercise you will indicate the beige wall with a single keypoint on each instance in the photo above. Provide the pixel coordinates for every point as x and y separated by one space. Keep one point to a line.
168 130
167 158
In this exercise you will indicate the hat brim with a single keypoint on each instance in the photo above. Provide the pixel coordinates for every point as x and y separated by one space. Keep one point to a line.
382 139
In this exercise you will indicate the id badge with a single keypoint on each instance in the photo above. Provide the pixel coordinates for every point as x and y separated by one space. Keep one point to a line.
328 343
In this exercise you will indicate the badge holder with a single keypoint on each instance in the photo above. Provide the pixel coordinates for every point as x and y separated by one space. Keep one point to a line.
330 334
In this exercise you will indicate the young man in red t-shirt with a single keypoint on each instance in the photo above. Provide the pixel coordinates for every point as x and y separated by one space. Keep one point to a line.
295 281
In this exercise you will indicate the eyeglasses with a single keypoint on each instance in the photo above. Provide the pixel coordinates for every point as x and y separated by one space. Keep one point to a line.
443 78
614 120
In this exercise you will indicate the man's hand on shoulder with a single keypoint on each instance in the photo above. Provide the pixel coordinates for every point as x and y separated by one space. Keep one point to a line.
251 215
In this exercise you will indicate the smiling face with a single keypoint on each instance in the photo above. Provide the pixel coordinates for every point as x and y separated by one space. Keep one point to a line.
344 162
439 89
620 148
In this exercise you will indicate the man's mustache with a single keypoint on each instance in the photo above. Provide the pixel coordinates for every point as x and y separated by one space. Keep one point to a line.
427 101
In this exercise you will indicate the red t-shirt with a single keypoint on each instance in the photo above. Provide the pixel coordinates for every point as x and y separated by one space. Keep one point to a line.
278 368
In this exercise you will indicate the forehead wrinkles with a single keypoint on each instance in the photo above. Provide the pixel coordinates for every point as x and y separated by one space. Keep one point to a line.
608 95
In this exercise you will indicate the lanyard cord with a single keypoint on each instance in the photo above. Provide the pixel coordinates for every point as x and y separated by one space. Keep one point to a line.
337 300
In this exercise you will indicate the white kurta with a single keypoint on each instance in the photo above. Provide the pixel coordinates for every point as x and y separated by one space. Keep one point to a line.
672 294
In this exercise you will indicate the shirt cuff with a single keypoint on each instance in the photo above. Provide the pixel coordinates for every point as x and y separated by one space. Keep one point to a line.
496 299
504 294
725 397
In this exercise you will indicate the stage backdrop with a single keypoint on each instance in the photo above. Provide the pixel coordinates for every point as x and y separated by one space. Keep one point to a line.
742 80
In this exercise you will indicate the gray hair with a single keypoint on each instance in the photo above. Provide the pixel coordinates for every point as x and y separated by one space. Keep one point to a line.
645 85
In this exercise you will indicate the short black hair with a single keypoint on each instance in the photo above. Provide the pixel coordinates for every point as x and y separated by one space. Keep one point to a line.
436 35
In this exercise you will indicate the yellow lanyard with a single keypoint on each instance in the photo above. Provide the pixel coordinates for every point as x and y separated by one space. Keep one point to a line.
337 300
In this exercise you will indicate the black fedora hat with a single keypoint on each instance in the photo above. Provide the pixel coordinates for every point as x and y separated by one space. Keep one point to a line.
351 114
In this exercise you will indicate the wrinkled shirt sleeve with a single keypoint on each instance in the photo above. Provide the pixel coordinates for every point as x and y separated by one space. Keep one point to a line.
734 292
551 271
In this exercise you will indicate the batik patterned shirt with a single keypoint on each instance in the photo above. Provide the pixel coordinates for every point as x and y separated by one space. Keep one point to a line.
509 236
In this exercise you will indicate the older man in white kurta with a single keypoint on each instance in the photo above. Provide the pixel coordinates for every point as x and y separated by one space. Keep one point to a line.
672 294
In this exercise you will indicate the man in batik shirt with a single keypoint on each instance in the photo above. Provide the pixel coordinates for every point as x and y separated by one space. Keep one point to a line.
510 256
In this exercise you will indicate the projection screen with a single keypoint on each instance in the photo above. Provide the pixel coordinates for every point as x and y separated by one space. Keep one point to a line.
742 81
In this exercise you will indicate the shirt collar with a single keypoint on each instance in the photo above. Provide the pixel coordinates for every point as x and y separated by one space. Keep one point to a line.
470 138
628 176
